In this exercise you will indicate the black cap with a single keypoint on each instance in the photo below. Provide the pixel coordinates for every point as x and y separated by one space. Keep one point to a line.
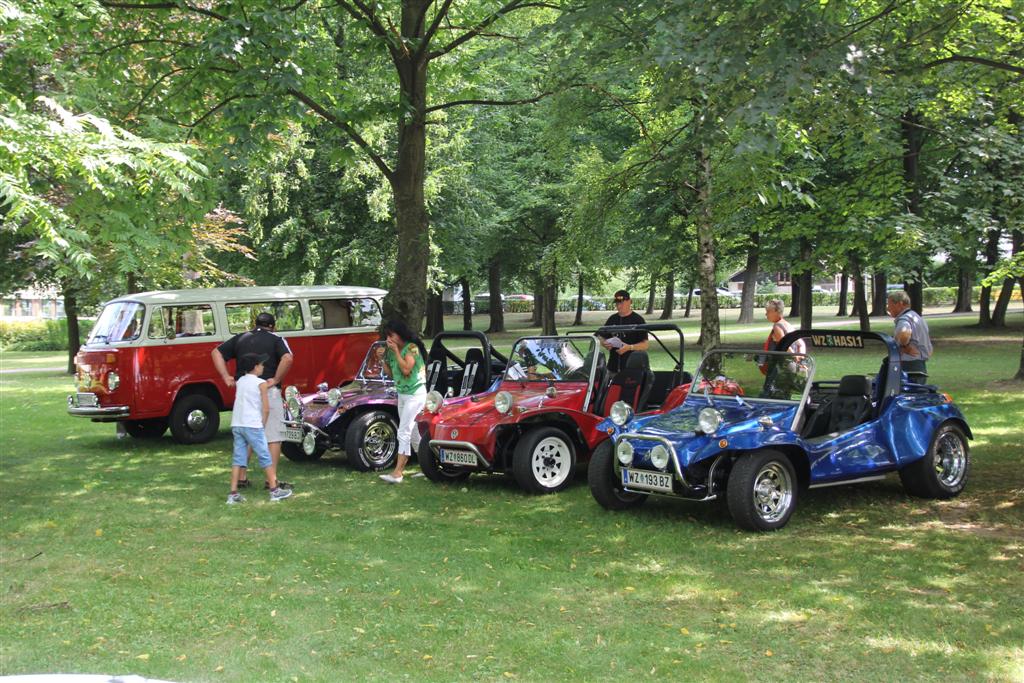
265 320
622 294
248 361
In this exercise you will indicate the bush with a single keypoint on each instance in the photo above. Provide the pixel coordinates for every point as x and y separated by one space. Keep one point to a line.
39 335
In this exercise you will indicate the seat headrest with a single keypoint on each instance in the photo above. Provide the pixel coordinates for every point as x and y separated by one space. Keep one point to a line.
638 360
436 353
474 355
854 385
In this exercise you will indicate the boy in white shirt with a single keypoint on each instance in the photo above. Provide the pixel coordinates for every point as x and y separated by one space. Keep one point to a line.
251 410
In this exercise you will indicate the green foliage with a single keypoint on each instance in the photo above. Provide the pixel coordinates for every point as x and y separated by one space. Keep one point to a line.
39 335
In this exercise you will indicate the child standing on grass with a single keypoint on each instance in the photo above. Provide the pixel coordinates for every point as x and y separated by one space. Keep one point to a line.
252 407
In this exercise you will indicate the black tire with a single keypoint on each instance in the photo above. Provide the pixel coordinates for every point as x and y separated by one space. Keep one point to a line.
152 428
195 418
435 471
543 460
371 441
605 486
942 472
762 491
293 451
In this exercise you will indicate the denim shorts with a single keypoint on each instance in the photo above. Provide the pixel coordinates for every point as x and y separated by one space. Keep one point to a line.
250 436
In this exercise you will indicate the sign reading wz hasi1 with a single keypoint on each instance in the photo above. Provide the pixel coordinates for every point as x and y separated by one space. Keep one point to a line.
846 341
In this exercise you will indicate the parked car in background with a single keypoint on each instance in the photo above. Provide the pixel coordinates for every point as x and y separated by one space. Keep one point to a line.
722 293
758 428
361 417
146 365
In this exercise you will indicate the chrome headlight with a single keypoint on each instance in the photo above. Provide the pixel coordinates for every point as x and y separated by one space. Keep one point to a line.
624 452
334 397
295 407
113 380
290 392
709 420
434 401
309 443
503 402
659 456
322 387
621 413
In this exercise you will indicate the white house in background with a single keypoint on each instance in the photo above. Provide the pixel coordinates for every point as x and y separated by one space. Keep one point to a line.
32 304
782 281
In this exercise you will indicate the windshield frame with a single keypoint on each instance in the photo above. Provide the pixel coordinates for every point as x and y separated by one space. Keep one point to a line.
382 377
114 320
805 360
516 359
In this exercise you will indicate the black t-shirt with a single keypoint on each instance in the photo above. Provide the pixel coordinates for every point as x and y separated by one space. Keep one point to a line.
256 341
615 361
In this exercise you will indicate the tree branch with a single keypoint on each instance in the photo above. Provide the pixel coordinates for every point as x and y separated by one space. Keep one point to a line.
363 14
458 103
345 128
511 6
163 5
442 12
976 60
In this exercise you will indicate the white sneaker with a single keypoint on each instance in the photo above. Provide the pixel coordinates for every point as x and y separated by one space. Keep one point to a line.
392 479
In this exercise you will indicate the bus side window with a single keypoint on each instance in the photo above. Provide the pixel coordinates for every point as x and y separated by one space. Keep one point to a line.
156 324
334 313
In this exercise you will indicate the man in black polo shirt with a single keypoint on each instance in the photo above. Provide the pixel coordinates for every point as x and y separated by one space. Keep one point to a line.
624 343
262 341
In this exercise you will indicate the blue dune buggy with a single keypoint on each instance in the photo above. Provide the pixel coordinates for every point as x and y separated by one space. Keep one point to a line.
758 427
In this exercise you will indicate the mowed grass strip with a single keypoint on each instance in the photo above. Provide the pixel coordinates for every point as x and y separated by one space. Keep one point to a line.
121 557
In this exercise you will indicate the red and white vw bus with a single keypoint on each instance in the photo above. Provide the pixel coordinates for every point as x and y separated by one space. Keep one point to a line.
147 361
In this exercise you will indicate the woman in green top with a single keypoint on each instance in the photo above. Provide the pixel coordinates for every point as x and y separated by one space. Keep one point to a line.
403 360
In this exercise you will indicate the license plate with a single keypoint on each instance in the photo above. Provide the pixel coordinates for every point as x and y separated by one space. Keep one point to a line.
450 457
87 400
650 481
293 434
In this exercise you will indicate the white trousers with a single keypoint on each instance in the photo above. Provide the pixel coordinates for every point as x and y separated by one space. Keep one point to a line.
409 406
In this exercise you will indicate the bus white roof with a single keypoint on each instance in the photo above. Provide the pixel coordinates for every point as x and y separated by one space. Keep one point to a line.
250 294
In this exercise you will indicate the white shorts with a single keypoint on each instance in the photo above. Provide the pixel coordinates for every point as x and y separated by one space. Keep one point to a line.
274 428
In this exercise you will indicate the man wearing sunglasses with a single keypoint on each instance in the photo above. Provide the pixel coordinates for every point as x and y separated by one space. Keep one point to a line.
624 343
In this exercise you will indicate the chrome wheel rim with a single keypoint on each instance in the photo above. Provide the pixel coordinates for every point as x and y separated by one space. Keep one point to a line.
380 442
950 460
551 462
196 420
773 492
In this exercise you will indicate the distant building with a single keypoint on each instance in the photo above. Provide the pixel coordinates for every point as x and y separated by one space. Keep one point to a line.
32 304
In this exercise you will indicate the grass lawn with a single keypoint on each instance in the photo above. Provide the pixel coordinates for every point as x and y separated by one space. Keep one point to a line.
121 557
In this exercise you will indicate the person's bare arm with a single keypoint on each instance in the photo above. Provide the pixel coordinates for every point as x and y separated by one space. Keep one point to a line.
639 346
265 401
222 367
283 366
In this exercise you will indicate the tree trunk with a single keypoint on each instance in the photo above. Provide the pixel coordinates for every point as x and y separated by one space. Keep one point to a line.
494 286
467 304
1003 302
407 297
806 285
536 318
991 257
879 282
794 295
670 296
578 320
915 290
132 283
435 314
71 311
689 298
1020 369
710 330
549 304
650 294
913 140
750 280
844 291
964 290
860 303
